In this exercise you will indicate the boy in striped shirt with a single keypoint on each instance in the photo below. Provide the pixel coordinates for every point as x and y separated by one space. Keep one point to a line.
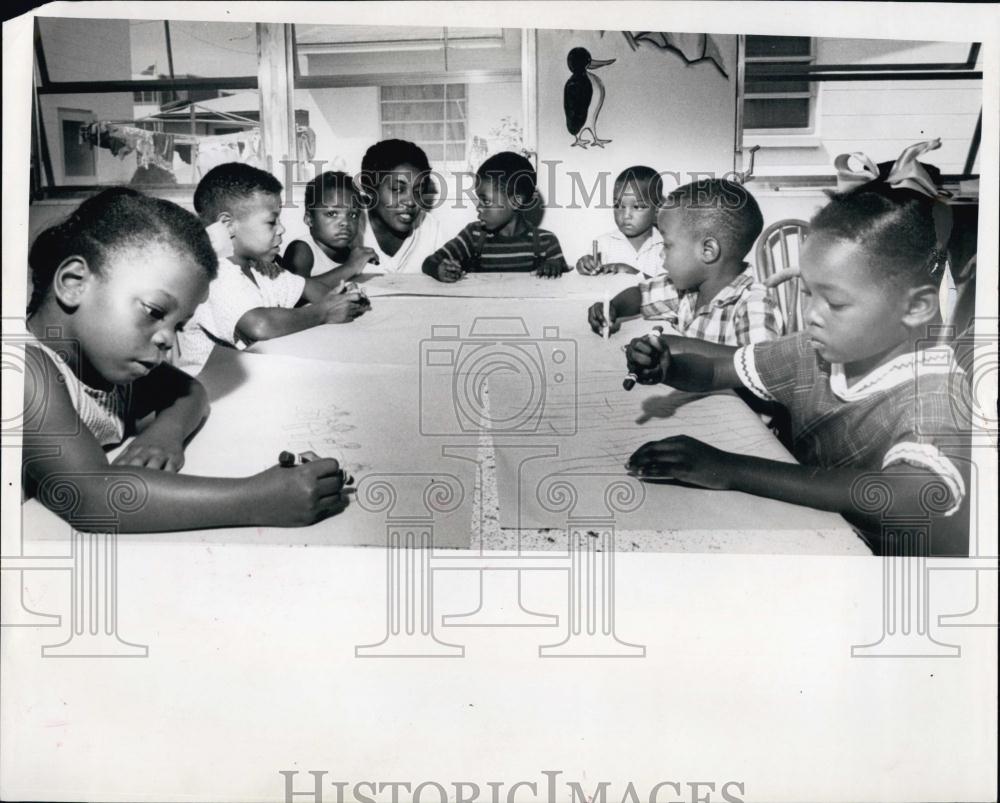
708 291
502 240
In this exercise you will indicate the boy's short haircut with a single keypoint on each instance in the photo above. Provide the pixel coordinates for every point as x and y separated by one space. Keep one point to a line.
648 183
229 186
513 172
721 209
326 184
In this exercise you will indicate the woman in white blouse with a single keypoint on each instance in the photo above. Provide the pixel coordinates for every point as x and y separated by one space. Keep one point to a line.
395 178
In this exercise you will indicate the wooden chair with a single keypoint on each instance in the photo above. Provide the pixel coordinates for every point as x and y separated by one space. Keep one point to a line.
778 248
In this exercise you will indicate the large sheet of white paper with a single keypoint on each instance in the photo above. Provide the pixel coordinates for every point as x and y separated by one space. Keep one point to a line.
365 417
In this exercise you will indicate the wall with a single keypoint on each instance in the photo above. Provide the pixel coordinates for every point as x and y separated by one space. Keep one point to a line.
879 118
658 111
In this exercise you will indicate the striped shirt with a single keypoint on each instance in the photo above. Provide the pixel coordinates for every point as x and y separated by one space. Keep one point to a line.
901 412
480 251
742 312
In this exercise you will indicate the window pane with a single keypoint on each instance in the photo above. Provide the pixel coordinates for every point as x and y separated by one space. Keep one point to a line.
415 112
776 46
212 49
776 113
770 87
133 50
420 92
435 153
415 132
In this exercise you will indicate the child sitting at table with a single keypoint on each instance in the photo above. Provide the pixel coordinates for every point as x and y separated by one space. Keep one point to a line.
112 286
867 389
333 211
708 292
636 245
502 239
253 297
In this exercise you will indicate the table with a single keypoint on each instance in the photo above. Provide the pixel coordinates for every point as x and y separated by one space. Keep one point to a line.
492 413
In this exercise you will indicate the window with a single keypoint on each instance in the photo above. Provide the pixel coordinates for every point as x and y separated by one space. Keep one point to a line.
78 157
777 106
431 115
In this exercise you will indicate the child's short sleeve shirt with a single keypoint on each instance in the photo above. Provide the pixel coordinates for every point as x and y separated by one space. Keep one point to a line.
614 247
742 312
231 295
902 412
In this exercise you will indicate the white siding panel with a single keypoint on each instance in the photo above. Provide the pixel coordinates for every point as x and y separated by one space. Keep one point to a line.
878 127
900 101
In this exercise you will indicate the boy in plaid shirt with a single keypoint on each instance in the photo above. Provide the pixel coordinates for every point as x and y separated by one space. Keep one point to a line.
708 292
870 396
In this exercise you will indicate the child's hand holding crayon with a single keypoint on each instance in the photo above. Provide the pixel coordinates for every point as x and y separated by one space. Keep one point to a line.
344 304
361 256
648 359
448 270
293 495
601 322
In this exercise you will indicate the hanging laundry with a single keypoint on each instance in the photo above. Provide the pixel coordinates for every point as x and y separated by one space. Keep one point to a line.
213 154
163 150
305 143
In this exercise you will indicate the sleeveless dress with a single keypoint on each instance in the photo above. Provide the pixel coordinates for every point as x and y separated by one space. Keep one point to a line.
321 262
103 412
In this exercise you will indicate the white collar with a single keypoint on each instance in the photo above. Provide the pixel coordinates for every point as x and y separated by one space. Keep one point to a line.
654 239
906 367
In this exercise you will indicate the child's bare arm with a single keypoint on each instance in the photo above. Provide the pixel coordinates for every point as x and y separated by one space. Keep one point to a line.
685 363
63 462
298 258
834 489
265 323
358 260
180 404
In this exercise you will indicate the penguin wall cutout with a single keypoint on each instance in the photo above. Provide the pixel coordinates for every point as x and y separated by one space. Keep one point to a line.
583 97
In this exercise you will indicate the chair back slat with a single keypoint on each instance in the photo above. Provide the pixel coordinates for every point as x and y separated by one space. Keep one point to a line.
780 247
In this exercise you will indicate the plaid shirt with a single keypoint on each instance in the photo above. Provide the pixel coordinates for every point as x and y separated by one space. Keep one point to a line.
742 312
901 412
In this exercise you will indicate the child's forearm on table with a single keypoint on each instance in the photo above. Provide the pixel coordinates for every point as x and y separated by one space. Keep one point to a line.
627 303
833 489
265 323
186 409
170 501
699 366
